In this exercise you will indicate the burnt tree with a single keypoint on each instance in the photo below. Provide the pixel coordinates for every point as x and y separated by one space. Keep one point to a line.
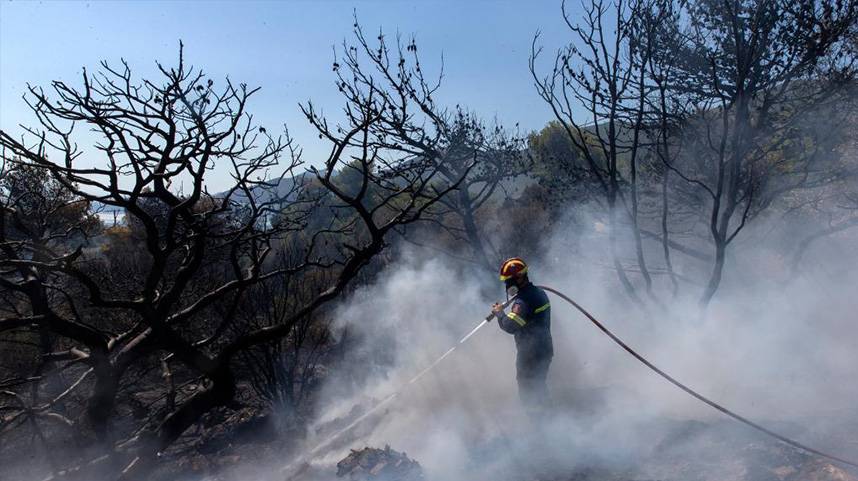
201 253
767 76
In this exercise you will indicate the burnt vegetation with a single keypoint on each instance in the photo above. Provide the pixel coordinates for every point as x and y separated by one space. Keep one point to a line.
680 123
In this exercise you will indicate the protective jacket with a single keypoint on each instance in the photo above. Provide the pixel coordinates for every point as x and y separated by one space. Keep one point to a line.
529 320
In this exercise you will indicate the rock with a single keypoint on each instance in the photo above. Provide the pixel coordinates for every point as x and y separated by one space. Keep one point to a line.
823 471
379 465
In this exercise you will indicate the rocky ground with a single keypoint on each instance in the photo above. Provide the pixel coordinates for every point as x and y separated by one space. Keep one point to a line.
246 446
682 451
372 464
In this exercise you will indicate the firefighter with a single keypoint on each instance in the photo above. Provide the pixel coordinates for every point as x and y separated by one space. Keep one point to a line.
529 320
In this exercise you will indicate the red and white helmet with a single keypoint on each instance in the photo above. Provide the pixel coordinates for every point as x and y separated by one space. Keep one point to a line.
512 268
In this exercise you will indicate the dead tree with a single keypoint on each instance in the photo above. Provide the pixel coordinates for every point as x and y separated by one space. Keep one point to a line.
153 137
759 71
457 143
158 141
597 89
833 208
38 217
663 111
491 157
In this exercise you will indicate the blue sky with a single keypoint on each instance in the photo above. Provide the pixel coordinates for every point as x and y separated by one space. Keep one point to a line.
284 47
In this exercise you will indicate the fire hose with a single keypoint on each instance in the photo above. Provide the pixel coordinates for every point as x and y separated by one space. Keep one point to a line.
616 340
695 394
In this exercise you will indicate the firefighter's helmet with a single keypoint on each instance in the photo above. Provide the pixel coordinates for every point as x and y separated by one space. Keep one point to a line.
512 268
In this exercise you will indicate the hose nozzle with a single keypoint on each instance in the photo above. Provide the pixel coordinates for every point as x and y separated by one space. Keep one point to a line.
505 304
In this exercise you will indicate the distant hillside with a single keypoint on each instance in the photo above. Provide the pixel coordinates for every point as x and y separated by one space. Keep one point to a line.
111 215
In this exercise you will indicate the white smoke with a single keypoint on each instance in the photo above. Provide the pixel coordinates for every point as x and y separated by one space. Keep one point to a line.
779 352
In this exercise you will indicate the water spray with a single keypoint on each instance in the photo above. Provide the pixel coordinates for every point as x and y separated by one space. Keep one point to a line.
511 297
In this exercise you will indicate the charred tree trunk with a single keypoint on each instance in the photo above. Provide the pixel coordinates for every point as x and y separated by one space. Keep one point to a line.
665 233
102 401
220 393
472 232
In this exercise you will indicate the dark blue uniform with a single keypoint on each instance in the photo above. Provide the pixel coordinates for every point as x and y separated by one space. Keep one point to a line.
529 320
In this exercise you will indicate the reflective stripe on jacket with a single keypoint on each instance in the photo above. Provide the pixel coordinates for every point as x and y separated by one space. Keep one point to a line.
531 324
